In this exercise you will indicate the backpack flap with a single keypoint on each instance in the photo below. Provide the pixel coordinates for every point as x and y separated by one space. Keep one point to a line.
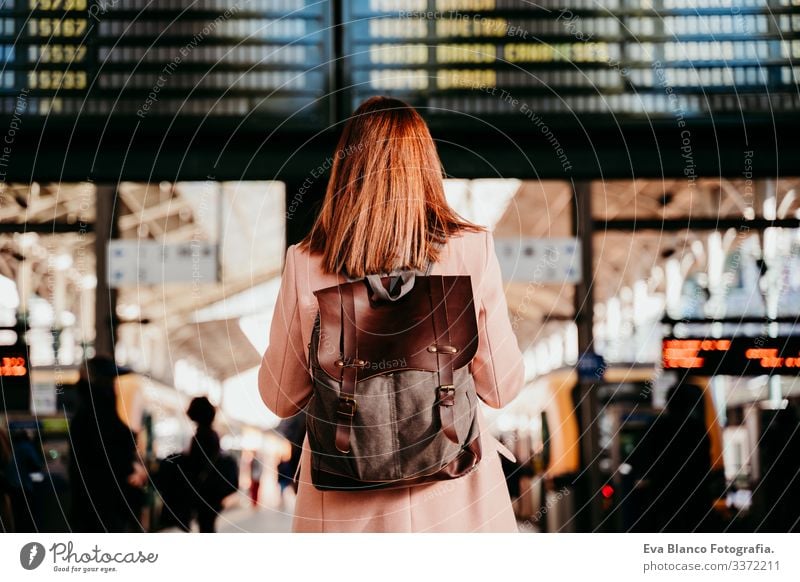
399 334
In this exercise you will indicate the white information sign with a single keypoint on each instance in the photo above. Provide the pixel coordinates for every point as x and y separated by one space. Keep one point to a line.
148 262
539 260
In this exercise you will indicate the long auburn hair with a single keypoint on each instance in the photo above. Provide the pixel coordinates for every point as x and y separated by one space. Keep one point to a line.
384 207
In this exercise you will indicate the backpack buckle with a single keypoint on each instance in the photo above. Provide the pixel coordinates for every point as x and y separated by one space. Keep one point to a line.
442 349
350 363
347 406
447 395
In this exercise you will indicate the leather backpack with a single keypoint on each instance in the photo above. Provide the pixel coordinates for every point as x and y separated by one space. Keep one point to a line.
393 402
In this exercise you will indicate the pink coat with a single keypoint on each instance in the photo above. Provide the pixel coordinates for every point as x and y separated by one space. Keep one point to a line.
479 501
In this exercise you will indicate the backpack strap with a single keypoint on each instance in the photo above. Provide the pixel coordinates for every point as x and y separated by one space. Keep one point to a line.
446 393
349 364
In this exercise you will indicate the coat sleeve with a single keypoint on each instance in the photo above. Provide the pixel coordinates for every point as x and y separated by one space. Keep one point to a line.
283 378
497 368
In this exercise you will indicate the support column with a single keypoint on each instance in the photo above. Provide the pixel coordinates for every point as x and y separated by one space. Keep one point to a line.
105 305
582 227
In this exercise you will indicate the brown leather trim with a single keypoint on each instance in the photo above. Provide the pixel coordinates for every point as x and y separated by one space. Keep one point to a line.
446 391
464 463
404 327
349 372
338 376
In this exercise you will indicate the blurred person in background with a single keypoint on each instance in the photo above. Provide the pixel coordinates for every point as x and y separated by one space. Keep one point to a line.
513 469
293 430
106 474
286 481
780 481
673 461
193 484
27 465
256 470
6 465
212 475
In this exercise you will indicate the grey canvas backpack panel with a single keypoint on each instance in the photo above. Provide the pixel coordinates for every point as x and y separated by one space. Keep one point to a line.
394 401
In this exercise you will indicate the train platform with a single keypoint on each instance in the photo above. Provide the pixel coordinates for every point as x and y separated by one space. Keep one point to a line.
239 516
247 519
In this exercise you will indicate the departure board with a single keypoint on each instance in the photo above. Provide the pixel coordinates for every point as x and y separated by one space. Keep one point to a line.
627 58
737 356
166 58
15 378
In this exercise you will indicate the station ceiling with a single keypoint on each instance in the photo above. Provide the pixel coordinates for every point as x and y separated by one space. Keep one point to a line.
254 239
